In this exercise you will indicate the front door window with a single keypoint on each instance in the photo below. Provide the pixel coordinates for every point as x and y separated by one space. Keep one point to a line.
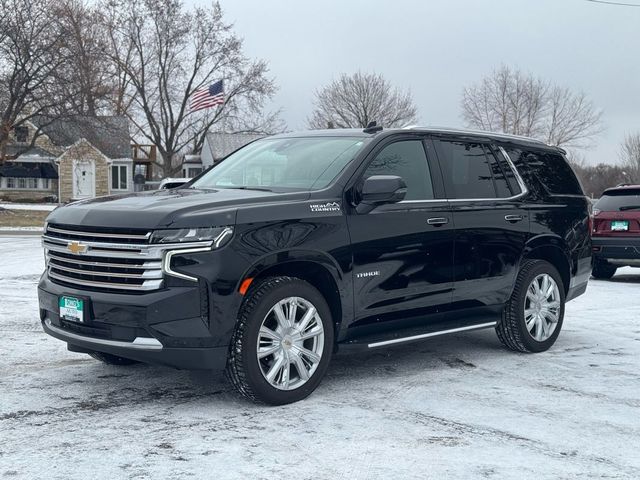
405 159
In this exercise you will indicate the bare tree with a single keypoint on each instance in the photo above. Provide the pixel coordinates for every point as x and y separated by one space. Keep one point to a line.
353 101
119 55
630 156
162 54
510 101
90 77
32 50
597 178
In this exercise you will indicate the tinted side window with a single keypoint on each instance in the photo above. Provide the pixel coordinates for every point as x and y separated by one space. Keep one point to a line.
507 170
552 170
466 170
503 189
408 160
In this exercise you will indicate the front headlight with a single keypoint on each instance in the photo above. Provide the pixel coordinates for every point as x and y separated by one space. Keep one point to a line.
217 235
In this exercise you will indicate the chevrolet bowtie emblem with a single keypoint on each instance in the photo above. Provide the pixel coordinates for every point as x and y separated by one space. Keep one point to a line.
76 247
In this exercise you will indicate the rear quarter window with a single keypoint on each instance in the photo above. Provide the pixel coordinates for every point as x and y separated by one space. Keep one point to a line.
551 169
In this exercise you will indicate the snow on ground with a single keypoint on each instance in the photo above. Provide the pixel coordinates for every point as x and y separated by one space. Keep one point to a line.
456 407
28 206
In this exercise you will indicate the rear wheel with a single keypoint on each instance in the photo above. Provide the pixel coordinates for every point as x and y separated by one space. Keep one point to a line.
602 270
112 359
283 342
533 316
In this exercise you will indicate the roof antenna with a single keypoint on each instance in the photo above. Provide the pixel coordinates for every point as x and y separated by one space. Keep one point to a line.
372 127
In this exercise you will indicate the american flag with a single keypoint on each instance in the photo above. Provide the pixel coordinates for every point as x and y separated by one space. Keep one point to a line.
207 97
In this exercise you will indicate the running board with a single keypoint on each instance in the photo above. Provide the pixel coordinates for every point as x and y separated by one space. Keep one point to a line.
413 338
406 335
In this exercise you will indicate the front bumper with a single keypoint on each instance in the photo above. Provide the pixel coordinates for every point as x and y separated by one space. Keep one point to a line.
618 251
167 327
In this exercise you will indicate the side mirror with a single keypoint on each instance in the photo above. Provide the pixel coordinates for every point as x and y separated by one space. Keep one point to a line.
381 189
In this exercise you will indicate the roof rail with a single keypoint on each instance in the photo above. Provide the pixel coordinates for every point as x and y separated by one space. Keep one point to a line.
476 132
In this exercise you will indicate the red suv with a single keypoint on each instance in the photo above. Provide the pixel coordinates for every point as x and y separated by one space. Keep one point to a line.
616 230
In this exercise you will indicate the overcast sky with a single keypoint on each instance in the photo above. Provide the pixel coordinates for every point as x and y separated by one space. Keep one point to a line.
436 47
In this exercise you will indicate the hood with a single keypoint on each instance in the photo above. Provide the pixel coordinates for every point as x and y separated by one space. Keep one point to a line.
183 207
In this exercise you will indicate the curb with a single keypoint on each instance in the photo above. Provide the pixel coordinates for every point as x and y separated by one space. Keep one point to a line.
20 233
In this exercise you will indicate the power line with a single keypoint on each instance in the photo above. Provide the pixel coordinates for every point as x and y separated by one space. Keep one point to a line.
618 4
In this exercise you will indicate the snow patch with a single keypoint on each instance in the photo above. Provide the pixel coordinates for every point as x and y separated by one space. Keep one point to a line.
456 407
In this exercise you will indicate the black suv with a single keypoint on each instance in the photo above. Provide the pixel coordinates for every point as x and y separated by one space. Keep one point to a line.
298 245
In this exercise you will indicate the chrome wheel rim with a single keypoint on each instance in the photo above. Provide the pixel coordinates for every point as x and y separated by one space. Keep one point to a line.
290 343
542 307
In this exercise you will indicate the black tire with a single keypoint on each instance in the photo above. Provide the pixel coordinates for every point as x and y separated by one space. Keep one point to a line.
112 359
602 270
243 369
512 329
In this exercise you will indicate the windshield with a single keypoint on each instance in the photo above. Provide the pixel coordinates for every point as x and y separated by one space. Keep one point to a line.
283 164
619 201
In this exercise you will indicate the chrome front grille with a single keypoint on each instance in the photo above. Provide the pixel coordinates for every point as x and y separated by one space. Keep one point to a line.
97 235
106 259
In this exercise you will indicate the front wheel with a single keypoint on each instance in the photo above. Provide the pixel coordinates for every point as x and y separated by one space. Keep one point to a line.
283 342
532 318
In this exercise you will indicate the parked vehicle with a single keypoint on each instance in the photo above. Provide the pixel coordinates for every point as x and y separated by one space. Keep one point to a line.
616 230
300 244
168 183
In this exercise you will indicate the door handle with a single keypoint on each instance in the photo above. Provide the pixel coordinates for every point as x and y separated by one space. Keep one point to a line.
437 221
513 218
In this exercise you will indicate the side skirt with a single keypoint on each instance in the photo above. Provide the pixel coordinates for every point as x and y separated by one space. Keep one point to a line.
411 335
415 338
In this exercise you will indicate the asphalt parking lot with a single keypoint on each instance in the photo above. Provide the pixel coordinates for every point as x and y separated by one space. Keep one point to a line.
456 407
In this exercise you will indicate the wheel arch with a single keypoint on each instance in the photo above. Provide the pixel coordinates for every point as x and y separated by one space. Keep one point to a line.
553 250
316 268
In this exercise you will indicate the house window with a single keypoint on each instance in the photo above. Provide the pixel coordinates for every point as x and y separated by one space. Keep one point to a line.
21 133
46 184
119 177
22 183
32 183
192 172
11 182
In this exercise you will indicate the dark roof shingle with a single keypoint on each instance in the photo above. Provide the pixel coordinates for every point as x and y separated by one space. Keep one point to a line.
109 134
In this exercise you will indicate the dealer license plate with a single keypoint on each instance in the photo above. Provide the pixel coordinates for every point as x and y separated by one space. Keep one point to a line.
619 225
72 309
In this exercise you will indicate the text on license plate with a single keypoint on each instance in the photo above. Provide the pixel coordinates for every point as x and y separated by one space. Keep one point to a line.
619 225
72 309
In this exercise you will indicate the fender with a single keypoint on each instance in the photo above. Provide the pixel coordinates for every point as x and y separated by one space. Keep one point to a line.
545 240
556 244
281 257
284 261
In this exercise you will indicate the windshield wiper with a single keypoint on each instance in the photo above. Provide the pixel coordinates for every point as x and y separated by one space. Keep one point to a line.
244 187
629 207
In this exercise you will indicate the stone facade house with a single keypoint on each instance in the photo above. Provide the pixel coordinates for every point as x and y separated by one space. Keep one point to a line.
89 157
